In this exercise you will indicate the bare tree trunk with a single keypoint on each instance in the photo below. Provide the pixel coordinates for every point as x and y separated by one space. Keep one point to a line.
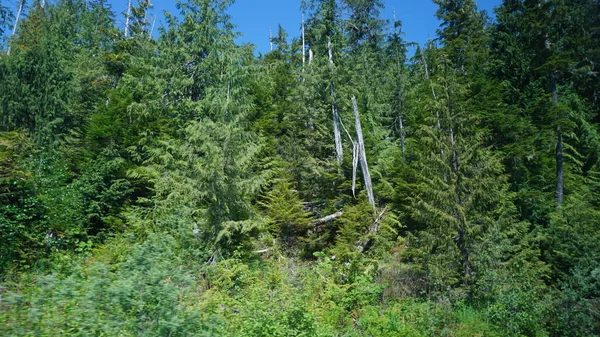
559 168
354 166
318 223
354 158
559 148
363 155
152 28
303 45
336 118
14 31
270 40
326 219
337 134
560 180
127 19
454 157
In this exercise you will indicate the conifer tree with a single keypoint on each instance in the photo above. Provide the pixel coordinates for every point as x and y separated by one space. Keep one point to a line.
461 32
539 85
205 169
461 196
462 201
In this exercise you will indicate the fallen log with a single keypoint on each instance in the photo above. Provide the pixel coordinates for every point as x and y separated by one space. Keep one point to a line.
326 219
318 223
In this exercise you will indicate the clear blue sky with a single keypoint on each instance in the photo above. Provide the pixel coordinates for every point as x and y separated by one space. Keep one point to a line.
254 17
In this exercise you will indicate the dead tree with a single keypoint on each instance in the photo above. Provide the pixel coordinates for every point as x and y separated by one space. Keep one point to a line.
362 155
127 19
14 31
334 109
303 45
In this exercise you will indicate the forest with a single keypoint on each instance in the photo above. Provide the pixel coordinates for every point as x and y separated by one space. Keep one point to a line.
168 181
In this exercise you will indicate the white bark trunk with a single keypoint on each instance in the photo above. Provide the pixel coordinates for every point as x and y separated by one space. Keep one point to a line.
14 31
270 40
362 155
326 219
354 166
152 28
330 49
337 134
336 118
402 140
303 45
127 19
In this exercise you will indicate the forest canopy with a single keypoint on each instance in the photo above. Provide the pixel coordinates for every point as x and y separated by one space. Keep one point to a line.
177 184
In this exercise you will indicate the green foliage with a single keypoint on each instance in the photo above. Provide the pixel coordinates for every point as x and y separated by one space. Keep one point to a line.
19 208
208 179
578 304
181 186
286 213
141 291
362 229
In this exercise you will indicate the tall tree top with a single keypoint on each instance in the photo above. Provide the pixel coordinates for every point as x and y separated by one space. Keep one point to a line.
461 30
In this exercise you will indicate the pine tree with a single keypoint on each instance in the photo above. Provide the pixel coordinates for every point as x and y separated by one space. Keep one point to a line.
462 197
204 171
37 73
462 33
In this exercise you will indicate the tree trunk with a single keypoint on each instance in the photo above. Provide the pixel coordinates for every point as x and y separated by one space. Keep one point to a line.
127 19
303 45
326 219
362 155
559 148
336 118
14 31
559 168
354 166
337 134
152 28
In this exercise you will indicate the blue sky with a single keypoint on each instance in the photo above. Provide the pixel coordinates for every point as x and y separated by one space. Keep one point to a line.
254 17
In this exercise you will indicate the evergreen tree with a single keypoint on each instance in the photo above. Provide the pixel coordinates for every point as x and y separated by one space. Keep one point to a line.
462 198
461 32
